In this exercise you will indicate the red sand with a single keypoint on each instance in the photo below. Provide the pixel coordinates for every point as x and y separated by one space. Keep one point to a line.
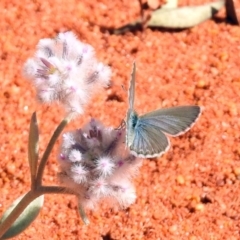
193 191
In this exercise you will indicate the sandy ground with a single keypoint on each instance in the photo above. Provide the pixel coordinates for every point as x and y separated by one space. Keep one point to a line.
193 191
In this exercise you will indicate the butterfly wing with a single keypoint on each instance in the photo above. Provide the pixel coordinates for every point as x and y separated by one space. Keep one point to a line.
145 135
172 121
132 117
148 137
131 93
149 141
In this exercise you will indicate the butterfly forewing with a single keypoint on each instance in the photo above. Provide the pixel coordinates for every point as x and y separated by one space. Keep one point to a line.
173 121
131 115
132 87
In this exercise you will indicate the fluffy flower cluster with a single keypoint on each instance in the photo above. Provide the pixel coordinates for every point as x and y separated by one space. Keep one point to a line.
66 70
95 164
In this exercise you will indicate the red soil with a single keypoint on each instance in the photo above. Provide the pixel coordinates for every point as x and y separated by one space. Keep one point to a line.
193 191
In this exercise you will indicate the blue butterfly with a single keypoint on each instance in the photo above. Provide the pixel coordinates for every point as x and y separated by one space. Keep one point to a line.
146 134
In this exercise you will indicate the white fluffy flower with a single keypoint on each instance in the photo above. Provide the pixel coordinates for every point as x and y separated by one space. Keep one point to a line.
75 155
95 164
124 192
98 188
66 70
78 173
105 166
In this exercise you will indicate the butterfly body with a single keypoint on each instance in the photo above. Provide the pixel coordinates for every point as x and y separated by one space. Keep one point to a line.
131 125
146 135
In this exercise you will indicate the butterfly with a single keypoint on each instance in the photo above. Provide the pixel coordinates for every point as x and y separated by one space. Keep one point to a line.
147 135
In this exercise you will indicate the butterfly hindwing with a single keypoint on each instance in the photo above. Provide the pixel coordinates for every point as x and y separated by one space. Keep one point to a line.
173 121
148 141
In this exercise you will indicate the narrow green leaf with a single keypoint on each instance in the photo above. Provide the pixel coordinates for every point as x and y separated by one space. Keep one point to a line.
25 219
184 17
83 214
33 146
49 148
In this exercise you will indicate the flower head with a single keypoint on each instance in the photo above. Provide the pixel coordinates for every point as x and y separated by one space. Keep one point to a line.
95 164
66 70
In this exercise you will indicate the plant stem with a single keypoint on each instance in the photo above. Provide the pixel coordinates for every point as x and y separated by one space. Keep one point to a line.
33 140
49 148
7 223
54 190
26 200
37 188
83 215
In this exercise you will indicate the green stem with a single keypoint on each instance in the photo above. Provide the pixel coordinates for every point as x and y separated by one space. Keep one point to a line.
54 190
26 200
83 215
48 150
37 188
33 140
